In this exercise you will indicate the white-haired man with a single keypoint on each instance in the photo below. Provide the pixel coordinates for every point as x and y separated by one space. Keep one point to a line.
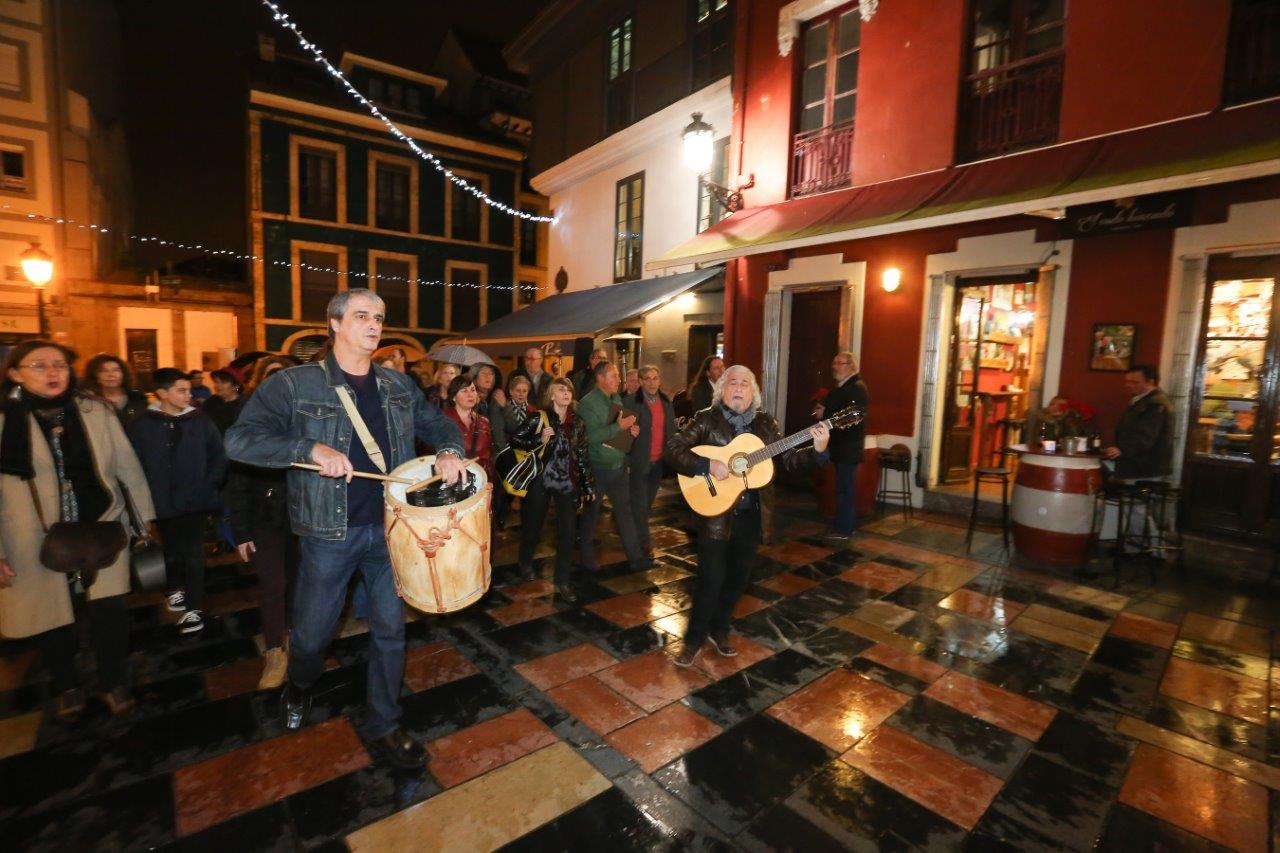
727 543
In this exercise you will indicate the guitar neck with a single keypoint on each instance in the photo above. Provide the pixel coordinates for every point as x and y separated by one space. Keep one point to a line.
781 445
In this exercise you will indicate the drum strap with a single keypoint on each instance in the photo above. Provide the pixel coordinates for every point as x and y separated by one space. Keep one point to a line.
366 437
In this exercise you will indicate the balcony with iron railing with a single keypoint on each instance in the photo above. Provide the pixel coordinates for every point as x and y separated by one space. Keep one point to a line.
1253 52
1012 107
822 160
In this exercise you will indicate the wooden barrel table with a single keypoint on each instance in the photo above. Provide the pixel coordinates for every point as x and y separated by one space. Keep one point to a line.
1053 504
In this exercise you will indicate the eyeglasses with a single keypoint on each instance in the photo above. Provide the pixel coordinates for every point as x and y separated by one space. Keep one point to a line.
42 366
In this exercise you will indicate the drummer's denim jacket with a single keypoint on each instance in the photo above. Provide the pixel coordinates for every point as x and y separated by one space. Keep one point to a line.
298 407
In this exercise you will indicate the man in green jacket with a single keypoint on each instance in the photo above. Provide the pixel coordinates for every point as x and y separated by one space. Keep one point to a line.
609 465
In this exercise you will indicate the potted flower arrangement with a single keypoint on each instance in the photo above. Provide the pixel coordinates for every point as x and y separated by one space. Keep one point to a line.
1064 418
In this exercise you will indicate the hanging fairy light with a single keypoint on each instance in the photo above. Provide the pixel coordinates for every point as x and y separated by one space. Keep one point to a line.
282 18
242 256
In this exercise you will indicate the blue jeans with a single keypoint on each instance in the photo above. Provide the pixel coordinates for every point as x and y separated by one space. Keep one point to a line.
327 566
846 497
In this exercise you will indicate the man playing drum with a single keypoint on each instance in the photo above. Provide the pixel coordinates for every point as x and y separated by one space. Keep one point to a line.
300 415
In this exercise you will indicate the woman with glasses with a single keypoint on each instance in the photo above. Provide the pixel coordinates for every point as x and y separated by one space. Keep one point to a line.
63 457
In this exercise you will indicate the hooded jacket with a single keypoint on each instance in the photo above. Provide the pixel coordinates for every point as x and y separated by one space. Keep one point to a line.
183 459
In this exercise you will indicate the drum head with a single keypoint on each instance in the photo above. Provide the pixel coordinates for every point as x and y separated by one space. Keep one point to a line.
443 494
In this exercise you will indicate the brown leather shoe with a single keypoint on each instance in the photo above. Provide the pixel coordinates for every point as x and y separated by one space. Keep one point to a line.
402 751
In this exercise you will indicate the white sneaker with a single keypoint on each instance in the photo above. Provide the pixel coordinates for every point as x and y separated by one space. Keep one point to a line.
177 601
191 622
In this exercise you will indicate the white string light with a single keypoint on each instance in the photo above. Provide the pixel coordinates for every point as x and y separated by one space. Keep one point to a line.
231 253
282 18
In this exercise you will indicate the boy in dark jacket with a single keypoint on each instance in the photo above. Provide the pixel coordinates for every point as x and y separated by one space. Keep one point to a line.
181 452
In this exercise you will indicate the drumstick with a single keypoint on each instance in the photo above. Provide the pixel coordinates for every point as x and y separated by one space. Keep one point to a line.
365 474
417 487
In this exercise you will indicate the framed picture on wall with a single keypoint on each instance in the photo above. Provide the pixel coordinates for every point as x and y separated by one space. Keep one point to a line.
1112 347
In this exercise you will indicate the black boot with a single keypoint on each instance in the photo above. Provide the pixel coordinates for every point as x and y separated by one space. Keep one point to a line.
295 705
402 751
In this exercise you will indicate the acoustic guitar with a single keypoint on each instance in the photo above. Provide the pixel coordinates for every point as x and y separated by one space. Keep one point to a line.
750 464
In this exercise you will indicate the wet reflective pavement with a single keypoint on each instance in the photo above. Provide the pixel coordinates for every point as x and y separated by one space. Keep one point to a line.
888 695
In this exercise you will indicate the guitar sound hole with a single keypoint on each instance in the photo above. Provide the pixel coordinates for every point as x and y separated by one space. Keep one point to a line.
738 465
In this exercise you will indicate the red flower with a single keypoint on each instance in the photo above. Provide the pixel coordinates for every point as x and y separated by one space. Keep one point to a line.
1083 411
819 395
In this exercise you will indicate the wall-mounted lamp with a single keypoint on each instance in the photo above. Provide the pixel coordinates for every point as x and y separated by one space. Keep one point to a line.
686 301
890 279
699 150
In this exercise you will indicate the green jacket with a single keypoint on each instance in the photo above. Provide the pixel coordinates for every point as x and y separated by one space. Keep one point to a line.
594 411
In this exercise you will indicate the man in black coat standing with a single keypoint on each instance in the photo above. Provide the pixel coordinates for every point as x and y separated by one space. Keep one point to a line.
846 445
657 422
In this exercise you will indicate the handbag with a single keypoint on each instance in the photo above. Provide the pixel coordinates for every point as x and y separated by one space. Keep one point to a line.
518 468
79 548
146 556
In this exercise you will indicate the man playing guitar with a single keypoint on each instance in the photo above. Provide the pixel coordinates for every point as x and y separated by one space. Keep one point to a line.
727 543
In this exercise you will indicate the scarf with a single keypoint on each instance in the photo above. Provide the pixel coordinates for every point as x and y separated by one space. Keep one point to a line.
740 422
15 441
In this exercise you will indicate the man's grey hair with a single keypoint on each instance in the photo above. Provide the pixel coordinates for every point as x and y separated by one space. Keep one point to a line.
717 392
342 299
648 368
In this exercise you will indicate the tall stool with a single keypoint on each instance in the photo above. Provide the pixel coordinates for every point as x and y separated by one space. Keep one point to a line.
1123 497
1161 497
896 458
989 475
1009 432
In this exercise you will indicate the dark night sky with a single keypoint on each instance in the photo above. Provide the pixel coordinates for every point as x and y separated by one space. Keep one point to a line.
186 90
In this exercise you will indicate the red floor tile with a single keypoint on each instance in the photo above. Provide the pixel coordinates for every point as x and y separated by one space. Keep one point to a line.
630 610
478 749
935 779
1201 799
540 588
913 665
1144 629
435 664
522 611
987 702
659 739
747 605
796 553
233 679
788 584
598 707
987 608
240 781
1216 689
839 709
716 666
652 680
879 576
553 670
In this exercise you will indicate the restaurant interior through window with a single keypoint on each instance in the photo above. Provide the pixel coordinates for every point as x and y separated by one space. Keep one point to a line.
994 324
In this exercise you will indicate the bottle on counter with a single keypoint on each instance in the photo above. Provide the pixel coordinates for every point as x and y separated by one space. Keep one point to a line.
1095 441
1047 444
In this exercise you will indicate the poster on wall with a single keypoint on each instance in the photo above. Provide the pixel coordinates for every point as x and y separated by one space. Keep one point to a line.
1112 347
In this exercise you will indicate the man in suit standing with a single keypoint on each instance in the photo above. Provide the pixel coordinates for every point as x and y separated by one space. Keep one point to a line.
847 444
657 421
539 379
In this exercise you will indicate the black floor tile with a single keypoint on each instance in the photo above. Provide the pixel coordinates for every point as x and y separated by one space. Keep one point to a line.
887 676
741 772
1089 748
1131 657
1030 667
535 638
976 742
731 700
1239 736
914 597
343 805
608 821
661 806
635 641
787 671
1101 693
834 645
850 806
211 655
137 816
781 830
443 710
193 734
1080 608
266 829
586 623
1047 805
783 625
1250 665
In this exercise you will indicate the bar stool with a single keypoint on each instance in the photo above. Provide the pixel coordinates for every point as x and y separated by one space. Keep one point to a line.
1010 433
1160 497
989 475
1124 497
896 458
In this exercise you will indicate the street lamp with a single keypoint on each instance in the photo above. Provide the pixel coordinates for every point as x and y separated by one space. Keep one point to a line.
37 266
699 150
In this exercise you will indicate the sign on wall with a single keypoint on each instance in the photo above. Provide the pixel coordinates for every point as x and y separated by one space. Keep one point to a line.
1136 213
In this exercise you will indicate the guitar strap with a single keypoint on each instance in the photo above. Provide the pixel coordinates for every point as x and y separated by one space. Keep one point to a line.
366 437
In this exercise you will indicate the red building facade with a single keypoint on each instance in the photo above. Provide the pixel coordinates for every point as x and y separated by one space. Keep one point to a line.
1058 184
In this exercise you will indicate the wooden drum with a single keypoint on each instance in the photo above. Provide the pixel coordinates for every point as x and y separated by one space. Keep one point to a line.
440 554
1053 505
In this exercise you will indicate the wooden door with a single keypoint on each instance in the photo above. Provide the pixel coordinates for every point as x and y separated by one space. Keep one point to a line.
142 353
814 338
962 405
1231 475
702 343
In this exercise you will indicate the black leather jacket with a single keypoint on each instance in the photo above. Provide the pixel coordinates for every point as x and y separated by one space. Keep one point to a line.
710 426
